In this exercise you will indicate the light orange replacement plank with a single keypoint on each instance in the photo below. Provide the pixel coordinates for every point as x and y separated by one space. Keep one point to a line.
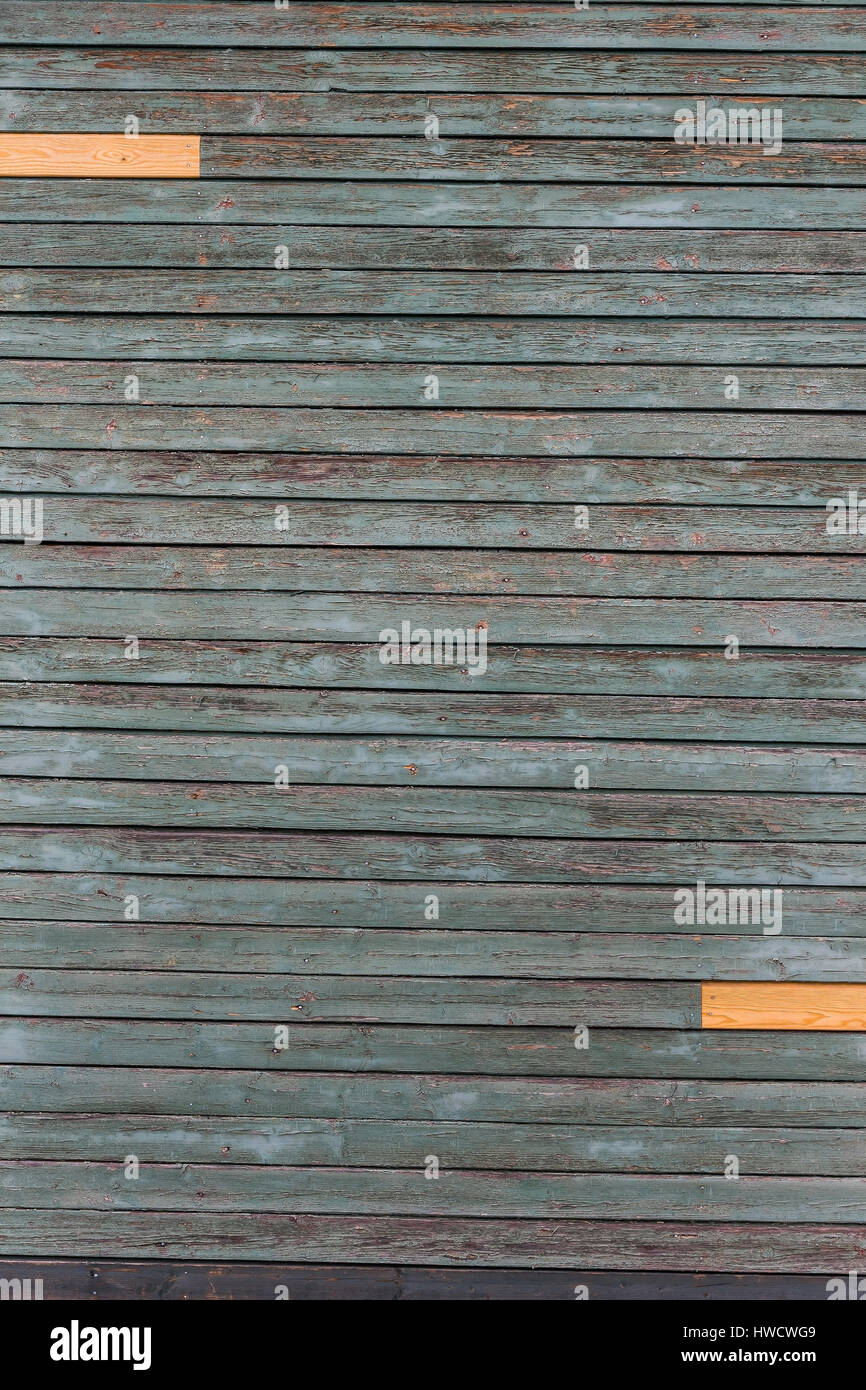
833 1008
57 156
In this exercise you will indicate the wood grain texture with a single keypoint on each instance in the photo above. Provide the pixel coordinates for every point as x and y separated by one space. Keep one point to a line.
339 384
334 202
387 25
114 1090
357 617
661 341
79 909
406 478
545 1148
479 763
331 855
812 1006
504 1050
386 570
416 954
416 1240
529 527
675 434
531 115
534 303
61 155
424 248
87 1186
330 68
416 810
412 293
449 709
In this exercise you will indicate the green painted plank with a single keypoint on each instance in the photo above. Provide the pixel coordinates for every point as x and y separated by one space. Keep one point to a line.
533 161
507 1051
379 384
337 113
225 709
405 1143
359 905
85 947
332 202
433 26
419 248
349 617
674 434
419 810
470 1100
522 526
366 999
328 69
440 1241
86 1186
433 858
811 678
559 341
405 477
528 762
551 572
452 293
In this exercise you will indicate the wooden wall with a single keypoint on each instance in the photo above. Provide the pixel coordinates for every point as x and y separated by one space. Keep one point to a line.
151 778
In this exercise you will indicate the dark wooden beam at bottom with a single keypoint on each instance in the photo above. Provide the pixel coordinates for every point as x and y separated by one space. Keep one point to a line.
159 1280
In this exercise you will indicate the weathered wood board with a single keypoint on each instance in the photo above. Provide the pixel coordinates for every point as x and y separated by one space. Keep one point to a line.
432 649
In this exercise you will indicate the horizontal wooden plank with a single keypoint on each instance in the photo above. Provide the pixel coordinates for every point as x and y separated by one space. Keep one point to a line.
783 1005
803 685
188 1090
377 384
419 810
86 1186
453 293
406 69
674 434
550 572
350 617
835 163
370 1047
612 764
482 859
406 477
168 1280
523 526
332 202
226 709
433 26
63 156
422 248
559 341
551 1147
367 999
84 901
434 1240
338 113
81 949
